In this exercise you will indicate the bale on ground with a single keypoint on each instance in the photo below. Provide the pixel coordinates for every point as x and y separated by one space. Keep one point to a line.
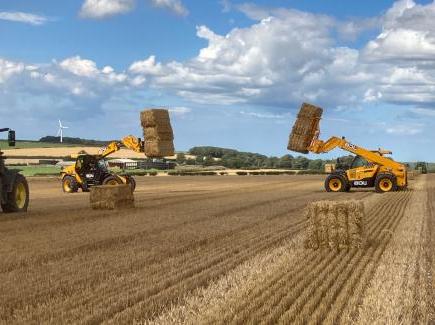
334 224
110 197
157 148
304 128
154 117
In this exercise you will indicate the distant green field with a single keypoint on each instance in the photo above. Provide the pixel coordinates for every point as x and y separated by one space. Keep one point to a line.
37 170
34 144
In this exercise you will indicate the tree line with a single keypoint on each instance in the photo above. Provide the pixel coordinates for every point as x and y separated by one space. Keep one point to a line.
230 158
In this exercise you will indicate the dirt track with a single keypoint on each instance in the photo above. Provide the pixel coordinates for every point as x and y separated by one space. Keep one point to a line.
63 262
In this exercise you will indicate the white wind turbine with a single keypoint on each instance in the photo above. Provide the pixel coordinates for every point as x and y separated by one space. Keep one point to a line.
60 131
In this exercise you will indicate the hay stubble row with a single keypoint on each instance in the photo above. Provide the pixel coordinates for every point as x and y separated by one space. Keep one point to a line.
138 265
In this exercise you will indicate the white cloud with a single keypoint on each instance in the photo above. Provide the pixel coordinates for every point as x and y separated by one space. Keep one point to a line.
80 67
424 112
180 110
279 60
405 129
98 9
175 6
23 17
9 68
146 67
266 115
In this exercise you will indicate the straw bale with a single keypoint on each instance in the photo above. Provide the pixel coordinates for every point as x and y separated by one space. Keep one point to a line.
155 148
304 128
110 197
334 224
159 133
154 117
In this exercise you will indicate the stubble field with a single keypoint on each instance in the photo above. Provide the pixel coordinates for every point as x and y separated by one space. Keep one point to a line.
215 250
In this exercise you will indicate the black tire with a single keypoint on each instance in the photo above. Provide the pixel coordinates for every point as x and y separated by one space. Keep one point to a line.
18 199
385 183
348 187
336 183
132 182
112 180
69 184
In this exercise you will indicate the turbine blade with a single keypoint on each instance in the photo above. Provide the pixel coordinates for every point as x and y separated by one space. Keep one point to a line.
58 132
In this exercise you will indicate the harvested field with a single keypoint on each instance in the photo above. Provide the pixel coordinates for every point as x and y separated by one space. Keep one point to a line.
215 250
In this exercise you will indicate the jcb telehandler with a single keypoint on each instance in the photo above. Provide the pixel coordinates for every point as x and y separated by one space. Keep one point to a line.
370 168
89 170
14 189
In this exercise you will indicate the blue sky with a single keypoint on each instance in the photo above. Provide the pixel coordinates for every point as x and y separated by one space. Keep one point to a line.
233 73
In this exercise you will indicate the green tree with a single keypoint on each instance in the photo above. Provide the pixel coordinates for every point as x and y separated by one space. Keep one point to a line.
316 164
286 161
181 158
300 162
209 161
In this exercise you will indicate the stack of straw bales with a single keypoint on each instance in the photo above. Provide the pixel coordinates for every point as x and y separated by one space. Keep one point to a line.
110 197
335 224
158 133
305 127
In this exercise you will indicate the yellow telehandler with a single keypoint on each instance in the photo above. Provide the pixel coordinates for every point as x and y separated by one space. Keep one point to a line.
14 189
90 170
370 168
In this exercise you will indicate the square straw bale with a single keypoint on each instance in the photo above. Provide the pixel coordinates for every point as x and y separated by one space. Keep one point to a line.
334 224
159 133
154 117
110 197
157 148
304 128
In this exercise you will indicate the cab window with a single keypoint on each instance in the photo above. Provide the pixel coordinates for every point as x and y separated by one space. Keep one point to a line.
359 162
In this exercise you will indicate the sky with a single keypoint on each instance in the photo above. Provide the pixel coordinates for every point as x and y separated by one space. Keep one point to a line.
232 73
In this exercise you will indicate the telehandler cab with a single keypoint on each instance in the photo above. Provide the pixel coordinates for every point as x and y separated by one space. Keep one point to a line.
14 189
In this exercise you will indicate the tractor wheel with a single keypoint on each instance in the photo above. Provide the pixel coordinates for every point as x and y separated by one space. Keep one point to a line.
112 180
69 184
336 183
18 199
385 183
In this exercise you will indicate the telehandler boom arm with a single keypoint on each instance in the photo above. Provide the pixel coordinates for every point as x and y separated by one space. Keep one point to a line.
319 146
130 142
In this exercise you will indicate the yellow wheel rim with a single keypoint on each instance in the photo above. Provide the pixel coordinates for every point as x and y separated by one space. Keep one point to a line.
20 196
67 185
335 184
386 184
112 182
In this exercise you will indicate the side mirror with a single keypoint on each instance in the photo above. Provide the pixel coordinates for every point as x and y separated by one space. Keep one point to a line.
11 138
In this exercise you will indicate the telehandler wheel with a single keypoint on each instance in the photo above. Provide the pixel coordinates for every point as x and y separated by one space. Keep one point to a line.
335 183
18 199
112 180
385 183
69 184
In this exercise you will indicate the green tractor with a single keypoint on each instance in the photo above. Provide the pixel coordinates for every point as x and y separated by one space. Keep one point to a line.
14 189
